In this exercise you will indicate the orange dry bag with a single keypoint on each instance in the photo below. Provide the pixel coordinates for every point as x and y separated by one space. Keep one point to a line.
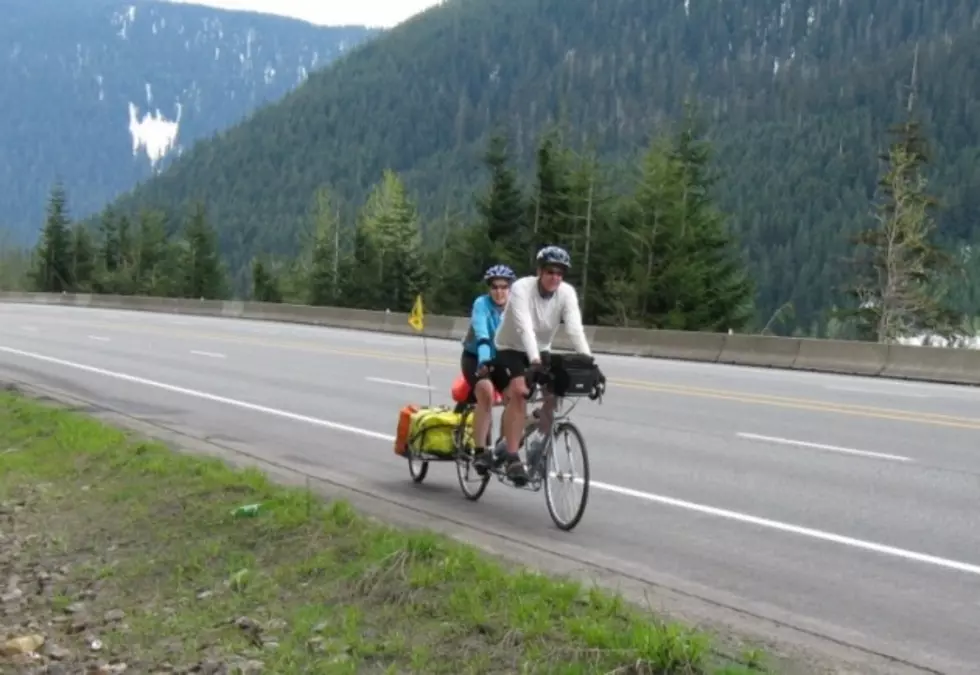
404 421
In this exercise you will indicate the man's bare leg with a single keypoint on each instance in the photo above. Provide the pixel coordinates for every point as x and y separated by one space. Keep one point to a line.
515 413
547 415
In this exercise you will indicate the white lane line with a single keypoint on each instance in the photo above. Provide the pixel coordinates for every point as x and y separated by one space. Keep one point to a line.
213 355
199 394
795 529
629 492
98 338
822 446
875 392
398 383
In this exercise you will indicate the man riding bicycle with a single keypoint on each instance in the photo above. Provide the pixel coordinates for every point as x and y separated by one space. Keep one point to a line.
537 305
479 349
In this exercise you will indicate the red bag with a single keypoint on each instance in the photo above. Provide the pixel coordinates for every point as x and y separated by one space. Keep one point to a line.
461 391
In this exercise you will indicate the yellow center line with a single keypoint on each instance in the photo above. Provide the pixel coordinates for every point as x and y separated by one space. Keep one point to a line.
814 405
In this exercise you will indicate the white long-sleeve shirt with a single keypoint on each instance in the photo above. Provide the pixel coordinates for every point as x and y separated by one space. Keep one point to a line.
530 322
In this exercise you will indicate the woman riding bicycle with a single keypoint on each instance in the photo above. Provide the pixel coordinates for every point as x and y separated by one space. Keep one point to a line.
479 350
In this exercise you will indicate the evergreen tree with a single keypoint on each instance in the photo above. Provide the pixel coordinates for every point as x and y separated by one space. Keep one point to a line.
718 290
898 289
154 256
203 274
110 251
392 244
456 269
83 257
323 284
15 264
109 268
649 232
52 271
591 221
503 211
265 286
360 272
549 209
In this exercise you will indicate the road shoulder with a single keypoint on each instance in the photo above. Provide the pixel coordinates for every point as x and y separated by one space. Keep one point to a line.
791 651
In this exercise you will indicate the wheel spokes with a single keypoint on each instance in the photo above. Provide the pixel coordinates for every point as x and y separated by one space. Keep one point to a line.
565 478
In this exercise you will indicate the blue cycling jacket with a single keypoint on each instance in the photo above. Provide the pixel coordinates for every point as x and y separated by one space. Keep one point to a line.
484 321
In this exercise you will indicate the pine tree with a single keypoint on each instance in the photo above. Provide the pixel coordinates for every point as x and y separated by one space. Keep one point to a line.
154 256
550 209
591 221
83 256
203 274
503 211
265 286
359 273
15 264
718 290
647 241
110 268
898 289
392 244
52 271
323 284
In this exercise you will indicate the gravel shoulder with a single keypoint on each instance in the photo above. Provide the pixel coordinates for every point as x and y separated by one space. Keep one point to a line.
119 555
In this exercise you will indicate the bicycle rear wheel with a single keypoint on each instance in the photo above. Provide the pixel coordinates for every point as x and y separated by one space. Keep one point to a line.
417 472
570 478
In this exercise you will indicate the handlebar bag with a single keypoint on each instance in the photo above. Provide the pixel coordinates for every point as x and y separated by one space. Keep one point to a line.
574 374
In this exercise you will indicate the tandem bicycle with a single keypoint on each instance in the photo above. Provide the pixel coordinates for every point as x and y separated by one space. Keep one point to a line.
568 376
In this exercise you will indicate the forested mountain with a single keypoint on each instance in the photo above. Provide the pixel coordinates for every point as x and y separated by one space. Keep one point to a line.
101 94
797 94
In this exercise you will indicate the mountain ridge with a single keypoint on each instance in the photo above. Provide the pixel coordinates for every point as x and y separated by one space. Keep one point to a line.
798 95
136 84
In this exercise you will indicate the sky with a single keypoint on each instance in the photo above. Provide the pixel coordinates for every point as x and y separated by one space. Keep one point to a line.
375 13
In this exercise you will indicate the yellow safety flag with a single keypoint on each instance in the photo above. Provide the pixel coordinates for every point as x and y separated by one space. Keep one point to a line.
415 318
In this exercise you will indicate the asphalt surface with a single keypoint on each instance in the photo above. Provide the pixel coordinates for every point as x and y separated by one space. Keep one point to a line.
843 505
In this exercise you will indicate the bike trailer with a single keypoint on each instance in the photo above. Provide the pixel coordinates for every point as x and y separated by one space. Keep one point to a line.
432 430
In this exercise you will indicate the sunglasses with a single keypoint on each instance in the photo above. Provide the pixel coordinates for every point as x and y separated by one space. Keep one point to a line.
499 287
554 271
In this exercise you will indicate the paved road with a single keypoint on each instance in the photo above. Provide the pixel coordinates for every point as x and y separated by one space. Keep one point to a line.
847 506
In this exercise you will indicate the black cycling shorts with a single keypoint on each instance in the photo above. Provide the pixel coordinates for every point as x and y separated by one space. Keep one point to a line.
468 364
512 363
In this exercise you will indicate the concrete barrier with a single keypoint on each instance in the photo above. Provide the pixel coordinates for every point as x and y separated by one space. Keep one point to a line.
664 344
841 356
936 364
943 364
759 350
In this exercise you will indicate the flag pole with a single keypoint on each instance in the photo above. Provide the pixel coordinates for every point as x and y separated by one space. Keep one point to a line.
428 377
416 320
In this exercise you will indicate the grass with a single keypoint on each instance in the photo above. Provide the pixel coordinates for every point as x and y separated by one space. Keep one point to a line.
302 586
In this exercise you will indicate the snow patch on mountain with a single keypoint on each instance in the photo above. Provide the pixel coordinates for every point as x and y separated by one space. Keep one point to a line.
153 133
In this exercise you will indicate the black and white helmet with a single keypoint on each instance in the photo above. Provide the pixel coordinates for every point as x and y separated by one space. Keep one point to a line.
554 255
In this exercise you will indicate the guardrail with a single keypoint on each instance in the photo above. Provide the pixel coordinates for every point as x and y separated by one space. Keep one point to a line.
935 364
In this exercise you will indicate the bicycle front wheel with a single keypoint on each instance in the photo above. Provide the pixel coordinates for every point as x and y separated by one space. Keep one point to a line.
569 474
